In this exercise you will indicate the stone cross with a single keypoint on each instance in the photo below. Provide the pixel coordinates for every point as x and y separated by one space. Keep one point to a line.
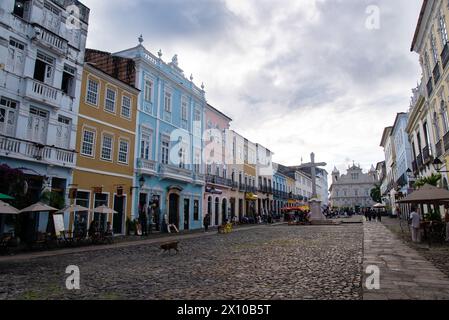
313 165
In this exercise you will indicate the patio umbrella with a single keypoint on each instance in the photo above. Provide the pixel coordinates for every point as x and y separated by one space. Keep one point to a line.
379 205
38 207
5 197
427 194
104 209
6 208
73 208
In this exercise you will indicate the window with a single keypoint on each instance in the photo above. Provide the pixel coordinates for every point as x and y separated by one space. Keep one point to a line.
182 157
184 114
145 144
87 146
82 198
167 107
63 132
126 107
165 150
37 125
434 49
445 117
443 29
167 102
19 8
197 116
427 136
123 151
68 80
8 116
196 210
44 68
197 161
106 147
148 90
109 104
92 92
16 57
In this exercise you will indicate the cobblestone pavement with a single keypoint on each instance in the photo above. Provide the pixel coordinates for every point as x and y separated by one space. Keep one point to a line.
404 273
266 262
438 253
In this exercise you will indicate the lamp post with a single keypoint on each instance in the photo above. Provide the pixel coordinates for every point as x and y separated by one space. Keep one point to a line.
437 164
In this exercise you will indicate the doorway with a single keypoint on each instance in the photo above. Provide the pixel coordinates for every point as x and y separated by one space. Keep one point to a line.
217 212
173 207
186 213
224 213
119 207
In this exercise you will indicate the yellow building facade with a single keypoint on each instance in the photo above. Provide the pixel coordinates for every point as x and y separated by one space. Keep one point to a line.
105 145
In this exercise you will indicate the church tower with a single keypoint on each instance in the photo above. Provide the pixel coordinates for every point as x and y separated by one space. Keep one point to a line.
335 175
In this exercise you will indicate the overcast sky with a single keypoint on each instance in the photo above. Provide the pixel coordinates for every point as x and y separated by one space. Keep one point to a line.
295 75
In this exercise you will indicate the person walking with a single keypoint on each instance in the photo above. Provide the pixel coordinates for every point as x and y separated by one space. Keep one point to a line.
446 219
370 214
415 223
206 222
379 216
143 220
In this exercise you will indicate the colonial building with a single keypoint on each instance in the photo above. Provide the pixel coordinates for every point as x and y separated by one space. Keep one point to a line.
280 194
264 172
42 45
220 182
428 125
387 189
106 125
352 190
170 124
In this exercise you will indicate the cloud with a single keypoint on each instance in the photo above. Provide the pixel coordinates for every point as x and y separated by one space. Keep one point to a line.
309 74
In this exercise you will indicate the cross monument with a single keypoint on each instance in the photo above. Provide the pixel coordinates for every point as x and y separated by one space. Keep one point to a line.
315 203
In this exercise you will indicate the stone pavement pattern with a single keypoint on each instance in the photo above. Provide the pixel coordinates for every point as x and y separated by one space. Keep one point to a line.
267 262
404 274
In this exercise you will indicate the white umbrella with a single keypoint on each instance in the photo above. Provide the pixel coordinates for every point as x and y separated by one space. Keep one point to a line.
379 205
73 208
6 208
38 207
104 209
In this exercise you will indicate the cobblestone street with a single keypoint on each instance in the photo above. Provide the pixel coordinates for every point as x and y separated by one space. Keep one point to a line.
266 262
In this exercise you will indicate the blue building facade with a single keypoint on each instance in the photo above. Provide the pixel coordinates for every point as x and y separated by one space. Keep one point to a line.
280 195
169 144
403 152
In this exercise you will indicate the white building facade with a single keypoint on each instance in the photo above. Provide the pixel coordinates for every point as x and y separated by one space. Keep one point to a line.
353 189
42 46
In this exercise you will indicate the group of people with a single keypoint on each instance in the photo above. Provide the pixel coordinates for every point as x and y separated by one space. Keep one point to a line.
149 216
372 215
415 222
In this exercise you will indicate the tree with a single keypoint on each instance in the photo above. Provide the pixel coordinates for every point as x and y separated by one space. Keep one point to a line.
376 194
432 180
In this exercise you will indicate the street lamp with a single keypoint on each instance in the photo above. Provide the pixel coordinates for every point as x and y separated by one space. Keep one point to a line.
141 181
437 164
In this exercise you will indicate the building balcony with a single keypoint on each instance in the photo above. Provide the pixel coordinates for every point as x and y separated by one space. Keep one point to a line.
148 167
426 155
419 162
43 93
436 73
446 142
213 179
50 41
445 55
173 172
439 148
199 178
27 150
414 167
429 87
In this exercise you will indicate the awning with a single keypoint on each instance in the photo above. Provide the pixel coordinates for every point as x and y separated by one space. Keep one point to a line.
251 196
427 194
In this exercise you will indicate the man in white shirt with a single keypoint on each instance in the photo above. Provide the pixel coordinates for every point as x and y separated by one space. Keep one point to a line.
415 223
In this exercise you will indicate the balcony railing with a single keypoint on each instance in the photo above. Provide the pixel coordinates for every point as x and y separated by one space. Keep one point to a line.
429 87
436 73
43 93
51 41
19 148
426 155
415 167
146 166
174 172
419 162
446 142
445 55
439 148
